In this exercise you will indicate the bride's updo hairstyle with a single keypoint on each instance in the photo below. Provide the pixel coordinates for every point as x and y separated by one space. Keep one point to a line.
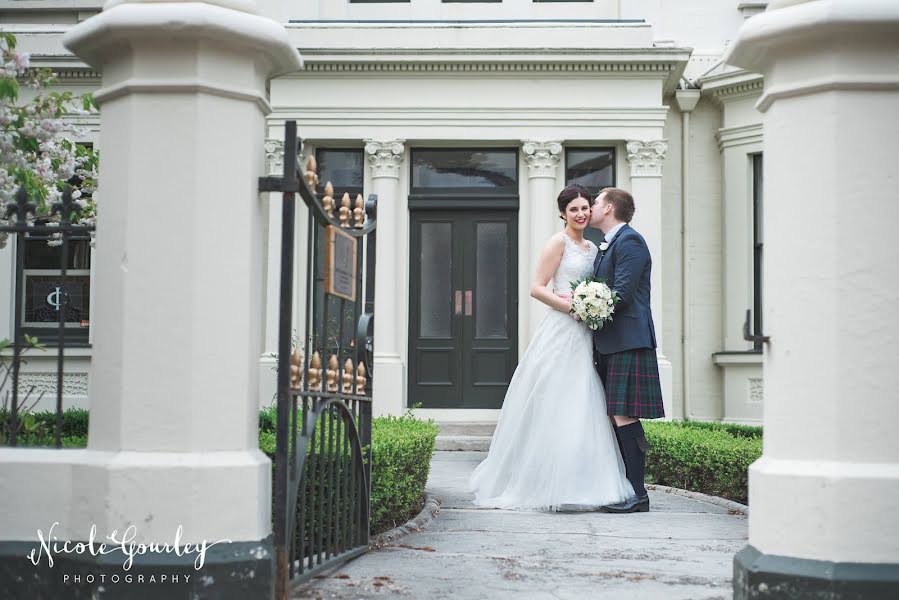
570 193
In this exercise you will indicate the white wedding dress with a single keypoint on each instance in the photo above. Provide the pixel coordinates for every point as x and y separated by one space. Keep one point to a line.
554 447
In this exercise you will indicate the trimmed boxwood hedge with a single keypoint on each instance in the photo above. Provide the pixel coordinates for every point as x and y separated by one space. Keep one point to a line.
401 458
712 458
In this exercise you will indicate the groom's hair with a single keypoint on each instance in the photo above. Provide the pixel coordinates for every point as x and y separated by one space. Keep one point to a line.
622 203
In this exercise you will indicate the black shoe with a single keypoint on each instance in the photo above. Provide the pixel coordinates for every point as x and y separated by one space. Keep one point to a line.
631 505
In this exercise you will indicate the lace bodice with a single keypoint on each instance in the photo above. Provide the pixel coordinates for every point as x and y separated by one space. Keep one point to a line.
577 262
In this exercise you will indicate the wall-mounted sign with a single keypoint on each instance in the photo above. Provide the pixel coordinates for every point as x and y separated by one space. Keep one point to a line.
340 263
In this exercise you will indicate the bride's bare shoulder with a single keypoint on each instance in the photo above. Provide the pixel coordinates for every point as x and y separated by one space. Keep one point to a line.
556 242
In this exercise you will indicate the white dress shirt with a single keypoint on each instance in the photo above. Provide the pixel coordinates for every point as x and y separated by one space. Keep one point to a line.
611 234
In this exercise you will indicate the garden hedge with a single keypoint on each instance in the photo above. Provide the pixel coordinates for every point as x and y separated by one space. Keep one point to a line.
401 458
711 458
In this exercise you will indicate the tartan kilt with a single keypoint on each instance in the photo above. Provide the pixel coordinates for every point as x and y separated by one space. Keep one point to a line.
632 385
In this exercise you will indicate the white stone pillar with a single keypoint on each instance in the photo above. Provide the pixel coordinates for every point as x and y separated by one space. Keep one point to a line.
179 304
823 520
646 159
543 159
389 377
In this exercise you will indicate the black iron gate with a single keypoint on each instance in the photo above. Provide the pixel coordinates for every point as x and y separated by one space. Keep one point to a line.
323 452
51 309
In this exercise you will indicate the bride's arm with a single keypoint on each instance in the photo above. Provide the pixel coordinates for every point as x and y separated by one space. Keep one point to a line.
547 264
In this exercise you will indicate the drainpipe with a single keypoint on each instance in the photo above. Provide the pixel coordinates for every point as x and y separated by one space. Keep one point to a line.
686 101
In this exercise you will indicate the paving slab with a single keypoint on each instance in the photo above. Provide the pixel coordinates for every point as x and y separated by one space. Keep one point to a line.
681 550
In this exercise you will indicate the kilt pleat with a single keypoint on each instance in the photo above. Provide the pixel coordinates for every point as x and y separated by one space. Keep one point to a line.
632 384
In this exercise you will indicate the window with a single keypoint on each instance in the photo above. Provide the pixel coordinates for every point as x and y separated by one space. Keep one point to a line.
593 168
465 169
44 295
758 245
344 168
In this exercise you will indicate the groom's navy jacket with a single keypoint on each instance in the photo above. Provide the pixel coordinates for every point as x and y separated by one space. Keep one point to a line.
626 266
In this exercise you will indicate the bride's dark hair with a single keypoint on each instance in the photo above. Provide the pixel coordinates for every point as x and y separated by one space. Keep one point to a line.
570 193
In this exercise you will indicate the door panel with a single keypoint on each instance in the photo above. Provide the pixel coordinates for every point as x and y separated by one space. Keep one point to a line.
463 300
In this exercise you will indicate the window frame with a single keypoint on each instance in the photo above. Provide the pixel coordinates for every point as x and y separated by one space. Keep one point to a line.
756 163
499 192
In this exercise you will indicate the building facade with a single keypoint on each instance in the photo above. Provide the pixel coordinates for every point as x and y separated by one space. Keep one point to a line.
467 118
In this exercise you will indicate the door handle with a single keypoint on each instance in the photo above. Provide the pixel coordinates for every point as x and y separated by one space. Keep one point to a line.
467 303
458 303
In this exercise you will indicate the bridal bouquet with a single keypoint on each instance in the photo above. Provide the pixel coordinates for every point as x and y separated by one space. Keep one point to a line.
593 302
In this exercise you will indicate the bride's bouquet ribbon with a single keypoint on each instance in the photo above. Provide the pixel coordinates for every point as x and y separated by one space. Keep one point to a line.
593 302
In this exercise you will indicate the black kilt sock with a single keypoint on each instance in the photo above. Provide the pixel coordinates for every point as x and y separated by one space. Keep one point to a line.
633 444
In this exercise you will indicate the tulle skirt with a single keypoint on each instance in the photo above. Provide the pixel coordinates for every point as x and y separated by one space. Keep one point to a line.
554 446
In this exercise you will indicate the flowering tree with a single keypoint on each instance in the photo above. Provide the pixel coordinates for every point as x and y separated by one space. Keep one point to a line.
36 149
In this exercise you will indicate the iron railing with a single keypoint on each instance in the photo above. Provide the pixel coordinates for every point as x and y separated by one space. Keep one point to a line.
323 451
21 222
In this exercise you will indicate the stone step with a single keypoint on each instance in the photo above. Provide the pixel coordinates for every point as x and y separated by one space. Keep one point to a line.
450 428
465 443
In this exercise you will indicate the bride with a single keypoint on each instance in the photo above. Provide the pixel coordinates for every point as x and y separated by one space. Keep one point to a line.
554 448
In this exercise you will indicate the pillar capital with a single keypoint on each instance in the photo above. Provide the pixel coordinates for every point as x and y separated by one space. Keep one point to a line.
646 157
385 157
543 157
274 156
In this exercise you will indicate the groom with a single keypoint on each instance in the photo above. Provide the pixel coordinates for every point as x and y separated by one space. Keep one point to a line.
625 348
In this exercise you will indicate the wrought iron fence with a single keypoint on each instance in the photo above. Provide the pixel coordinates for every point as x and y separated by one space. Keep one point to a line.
323 452
21 221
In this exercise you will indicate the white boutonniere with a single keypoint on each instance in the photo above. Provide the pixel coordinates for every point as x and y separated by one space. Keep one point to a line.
604 246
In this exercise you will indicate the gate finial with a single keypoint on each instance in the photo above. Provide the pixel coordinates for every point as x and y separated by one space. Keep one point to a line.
345 210
328 200
315 372
331 373
311 172
296 370
359 212
347 387
360 379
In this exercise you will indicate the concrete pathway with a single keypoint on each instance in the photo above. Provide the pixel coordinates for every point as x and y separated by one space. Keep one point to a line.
682 549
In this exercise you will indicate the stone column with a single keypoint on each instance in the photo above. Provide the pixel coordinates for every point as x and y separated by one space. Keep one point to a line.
823 520
646 159
178 319
543 159
389 394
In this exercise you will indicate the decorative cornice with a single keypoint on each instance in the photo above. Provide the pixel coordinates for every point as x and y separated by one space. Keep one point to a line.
274 156
477 67
746 87
646 157
385 157
739 136
75 73
542 157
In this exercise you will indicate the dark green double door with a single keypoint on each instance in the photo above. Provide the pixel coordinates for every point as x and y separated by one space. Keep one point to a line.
463 318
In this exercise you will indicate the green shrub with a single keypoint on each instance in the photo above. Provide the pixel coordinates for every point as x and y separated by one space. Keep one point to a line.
38 428
747 431
401 460
703 459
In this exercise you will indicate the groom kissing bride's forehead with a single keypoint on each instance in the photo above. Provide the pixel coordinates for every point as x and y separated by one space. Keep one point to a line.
625 349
